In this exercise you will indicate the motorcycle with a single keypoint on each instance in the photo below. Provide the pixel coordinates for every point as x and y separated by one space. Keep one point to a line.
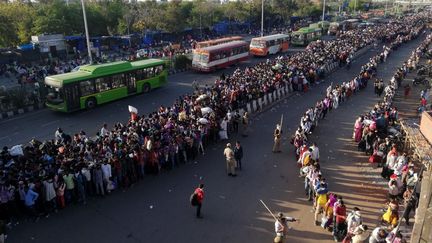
421 81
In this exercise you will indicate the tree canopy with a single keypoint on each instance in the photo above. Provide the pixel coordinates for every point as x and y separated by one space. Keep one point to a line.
20 20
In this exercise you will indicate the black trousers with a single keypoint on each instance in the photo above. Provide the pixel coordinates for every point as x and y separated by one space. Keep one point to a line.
198 210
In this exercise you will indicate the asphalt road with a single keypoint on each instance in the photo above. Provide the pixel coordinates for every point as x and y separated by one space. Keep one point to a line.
42 124
157 209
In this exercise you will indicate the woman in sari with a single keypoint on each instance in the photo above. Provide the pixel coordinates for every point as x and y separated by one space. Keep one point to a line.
358 129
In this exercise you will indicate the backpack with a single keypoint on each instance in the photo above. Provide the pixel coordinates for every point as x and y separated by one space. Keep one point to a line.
194 199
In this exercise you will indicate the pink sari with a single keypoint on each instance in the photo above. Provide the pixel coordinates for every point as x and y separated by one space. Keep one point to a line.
358 128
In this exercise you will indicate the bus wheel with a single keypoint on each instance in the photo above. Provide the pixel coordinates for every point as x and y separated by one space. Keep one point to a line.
91 103
146 88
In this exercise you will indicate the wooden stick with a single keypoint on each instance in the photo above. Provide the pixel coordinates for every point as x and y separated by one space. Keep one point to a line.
281 123
268 210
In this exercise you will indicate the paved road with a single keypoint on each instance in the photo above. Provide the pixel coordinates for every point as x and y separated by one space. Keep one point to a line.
157 209
43 123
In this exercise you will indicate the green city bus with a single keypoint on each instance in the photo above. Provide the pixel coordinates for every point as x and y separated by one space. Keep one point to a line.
93 85
306 35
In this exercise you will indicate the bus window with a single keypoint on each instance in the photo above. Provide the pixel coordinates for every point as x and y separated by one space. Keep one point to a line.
139 74
258 44
87 87
159 69
150 72
204 58
103 84
117 81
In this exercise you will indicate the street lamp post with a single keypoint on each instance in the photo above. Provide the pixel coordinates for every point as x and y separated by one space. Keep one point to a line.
86 32
323 15
355 6
385 9
201 35
262 17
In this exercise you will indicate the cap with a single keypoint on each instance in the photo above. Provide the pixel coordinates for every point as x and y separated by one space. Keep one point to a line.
228 145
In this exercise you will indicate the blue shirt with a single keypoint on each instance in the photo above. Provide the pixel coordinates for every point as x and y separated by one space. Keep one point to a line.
30 198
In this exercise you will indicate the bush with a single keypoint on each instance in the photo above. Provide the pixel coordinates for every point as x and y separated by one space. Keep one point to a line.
182 62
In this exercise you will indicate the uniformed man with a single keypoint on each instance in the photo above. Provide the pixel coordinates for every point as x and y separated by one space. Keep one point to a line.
245 122
277 139
230 160
281 227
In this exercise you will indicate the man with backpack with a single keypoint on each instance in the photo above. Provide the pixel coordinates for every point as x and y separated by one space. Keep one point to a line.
197 198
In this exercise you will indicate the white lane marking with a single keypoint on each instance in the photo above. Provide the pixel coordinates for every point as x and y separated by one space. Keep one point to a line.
50 123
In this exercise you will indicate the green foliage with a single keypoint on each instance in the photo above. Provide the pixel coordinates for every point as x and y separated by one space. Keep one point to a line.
360 5
307 8
20 20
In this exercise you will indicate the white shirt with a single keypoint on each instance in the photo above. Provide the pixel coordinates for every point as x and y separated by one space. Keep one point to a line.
106 170
315 153
86 174
353 222
103 132
282 227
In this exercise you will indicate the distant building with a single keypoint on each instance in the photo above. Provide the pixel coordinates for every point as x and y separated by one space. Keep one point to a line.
54 45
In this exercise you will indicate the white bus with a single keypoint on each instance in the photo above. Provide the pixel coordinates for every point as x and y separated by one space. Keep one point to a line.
271 44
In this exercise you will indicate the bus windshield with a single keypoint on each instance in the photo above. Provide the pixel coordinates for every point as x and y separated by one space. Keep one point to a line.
55 95
201 57
258 43
297 36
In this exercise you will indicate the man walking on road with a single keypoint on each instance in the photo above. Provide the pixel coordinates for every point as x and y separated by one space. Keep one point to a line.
238 154
230 161
199 197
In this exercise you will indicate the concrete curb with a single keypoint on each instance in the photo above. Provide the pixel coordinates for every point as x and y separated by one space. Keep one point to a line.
15 112
259 107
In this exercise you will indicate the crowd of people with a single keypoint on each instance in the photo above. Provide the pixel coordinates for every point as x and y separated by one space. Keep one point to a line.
378 135
348 227
43 177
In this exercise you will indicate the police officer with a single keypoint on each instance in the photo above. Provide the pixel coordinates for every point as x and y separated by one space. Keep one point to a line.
281 227
277 134
230 160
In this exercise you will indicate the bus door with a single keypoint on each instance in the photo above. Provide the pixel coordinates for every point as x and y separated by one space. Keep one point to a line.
131 83
72 96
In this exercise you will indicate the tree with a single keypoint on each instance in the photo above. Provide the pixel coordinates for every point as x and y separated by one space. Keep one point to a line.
284 9
112 12
17 21
357 5
202 14
308 9
174 20
8 38
148 16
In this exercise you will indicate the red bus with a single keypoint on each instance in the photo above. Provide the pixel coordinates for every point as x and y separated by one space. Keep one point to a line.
214 42
219 56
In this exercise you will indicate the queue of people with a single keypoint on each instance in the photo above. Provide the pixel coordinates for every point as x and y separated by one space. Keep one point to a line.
44 177
348 227
378 134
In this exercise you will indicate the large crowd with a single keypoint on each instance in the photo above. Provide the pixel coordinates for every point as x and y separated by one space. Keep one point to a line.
378 135
42 177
